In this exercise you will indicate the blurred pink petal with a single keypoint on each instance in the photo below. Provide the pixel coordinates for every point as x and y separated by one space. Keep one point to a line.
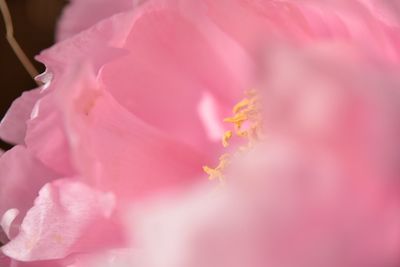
62 215
289 201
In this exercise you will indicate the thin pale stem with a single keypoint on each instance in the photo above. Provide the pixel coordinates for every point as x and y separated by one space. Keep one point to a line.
14 44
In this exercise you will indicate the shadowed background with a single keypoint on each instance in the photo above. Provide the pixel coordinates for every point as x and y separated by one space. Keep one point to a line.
34 25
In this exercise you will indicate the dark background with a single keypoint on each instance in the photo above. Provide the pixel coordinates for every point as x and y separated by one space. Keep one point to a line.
34 25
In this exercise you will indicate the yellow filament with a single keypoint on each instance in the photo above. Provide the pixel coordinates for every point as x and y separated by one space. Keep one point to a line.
218 172
247 123
225 139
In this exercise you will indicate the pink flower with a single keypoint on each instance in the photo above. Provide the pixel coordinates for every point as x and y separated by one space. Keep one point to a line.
320 190
132 106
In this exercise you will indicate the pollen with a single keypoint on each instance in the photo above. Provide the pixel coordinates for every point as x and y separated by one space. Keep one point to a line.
225 139
247 124
218 172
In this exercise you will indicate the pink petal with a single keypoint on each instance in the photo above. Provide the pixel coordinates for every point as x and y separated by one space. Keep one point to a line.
13 125
320 190
117 151
226 68
46 138
62 221
21 177
111 258
50 126
46 135
7 220
287 201
256 23
98 45
81 14
4 260
174 59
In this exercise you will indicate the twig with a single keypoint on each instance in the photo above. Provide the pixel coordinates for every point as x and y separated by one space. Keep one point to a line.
14 44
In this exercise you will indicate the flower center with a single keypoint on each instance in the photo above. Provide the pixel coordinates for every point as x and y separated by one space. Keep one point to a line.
247 124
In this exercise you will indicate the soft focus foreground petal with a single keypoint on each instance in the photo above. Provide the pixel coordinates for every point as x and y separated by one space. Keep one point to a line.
21 177
79 15
346 100
284 202
115 150
177 55
13 125
177 219
67 217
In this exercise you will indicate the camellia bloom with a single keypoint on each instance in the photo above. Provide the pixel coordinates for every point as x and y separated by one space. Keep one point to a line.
320 190
136 98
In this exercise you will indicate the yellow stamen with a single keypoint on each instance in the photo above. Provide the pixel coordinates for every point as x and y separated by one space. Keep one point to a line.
217 172
247 123
225 139
242 104
238 118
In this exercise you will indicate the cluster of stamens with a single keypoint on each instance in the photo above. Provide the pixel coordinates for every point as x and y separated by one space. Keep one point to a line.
247 124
